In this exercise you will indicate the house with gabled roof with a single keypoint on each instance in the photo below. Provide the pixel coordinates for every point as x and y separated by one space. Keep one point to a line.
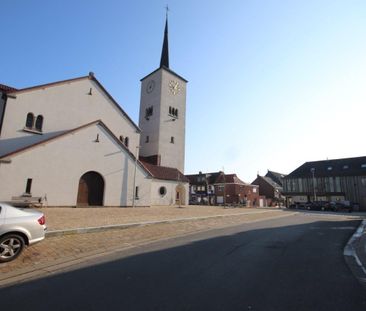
220 188
270 189
70 143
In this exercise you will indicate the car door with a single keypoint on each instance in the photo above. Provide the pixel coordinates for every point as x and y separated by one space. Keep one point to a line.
2 214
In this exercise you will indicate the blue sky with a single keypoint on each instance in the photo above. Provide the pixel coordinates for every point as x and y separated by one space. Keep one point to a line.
272 83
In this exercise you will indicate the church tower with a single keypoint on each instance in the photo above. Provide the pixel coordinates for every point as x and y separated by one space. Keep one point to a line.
163 114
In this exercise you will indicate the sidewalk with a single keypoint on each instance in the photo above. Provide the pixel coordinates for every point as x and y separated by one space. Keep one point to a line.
73 218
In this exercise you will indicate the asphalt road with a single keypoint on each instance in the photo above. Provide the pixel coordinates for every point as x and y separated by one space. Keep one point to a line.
292 263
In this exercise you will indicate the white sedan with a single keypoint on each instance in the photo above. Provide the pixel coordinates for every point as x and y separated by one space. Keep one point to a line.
19 227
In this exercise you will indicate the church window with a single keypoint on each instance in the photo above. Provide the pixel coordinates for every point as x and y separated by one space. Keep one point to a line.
28 187
173 112
172 140
30 120
39 123
162 191
147 139
149 112
126 141
121 138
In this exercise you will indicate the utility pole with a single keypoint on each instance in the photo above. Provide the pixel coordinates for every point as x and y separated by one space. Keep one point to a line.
313 172
134 178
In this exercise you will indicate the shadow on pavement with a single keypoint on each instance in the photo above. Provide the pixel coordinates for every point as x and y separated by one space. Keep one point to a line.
251 267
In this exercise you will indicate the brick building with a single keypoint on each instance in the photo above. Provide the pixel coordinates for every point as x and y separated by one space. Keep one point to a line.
218 188
270 187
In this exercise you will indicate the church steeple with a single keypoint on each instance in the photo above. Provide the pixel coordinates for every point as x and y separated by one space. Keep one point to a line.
164 60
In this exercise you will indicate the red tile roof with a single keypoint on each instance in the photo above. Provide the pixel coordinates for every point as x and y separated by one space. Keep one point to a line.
229 179
164 172
6 89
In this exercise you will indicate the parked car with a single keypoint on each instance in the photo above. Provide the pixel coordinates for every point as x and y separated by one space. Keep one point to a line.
341 206
19 227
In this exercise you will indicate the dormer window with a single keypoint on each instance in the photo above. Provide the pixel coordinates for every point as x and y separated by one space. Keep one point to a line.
363 165
329 168
345 167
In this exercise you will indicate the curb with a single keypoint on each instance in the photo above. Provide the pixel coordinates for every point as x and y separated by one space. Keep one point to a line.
56 233
351 253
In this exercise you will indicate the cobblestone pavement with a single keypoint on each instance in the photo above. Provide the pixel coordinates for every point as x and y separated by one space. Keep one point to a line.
70 218
40 258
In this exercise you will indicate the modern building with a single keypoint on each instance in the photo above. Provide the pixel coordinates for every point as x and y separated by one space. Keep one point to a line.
329 180
219 188
69 143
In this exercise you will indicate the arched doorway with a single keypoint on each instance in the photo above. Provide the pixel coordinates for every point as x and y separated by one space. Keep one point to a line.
91 189
180 195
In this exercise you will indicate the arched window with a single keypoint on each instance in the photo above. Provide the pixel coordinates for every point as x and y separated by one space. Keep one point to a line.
126 141
162 191
30 120
39 123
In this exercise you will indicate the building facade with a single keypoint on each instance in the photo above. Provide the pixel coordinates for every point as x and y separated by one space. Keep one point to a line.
69 143
329 180
221 189
270 189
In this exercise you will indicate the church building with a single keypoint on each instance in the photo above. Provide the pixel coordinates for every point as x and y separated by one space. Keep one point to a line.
69 143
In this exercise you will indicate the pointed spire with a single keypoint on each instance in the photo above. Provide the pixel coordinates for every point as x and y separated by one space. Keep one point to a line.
164 61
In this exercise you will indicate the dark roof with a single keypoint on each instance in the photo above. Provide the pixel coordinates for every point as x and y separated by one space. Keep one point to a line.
164 60
276 177
164 172
64 133
337 167
90 77
6 89
271 182
209 178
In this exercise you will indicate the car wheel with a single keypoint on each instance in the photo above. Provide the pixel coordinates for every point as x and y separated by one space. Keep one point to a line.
10 247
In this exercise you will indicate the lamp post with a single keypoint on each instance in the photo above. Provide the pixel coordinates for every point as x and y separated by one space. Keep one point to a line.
313 173
134 178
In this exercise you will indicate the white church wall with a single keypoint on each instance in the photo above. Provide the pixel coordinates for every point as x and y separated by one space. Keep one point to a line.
172 153
56 167
150 97
170 195
65 106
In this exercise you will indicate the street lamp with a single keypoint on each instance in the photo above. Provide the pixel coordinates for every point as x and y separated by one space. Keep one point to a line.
313 172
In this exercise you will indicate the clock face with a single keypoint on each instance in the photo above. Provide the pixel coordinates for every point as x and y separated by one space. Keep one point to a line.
150 86
174 87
